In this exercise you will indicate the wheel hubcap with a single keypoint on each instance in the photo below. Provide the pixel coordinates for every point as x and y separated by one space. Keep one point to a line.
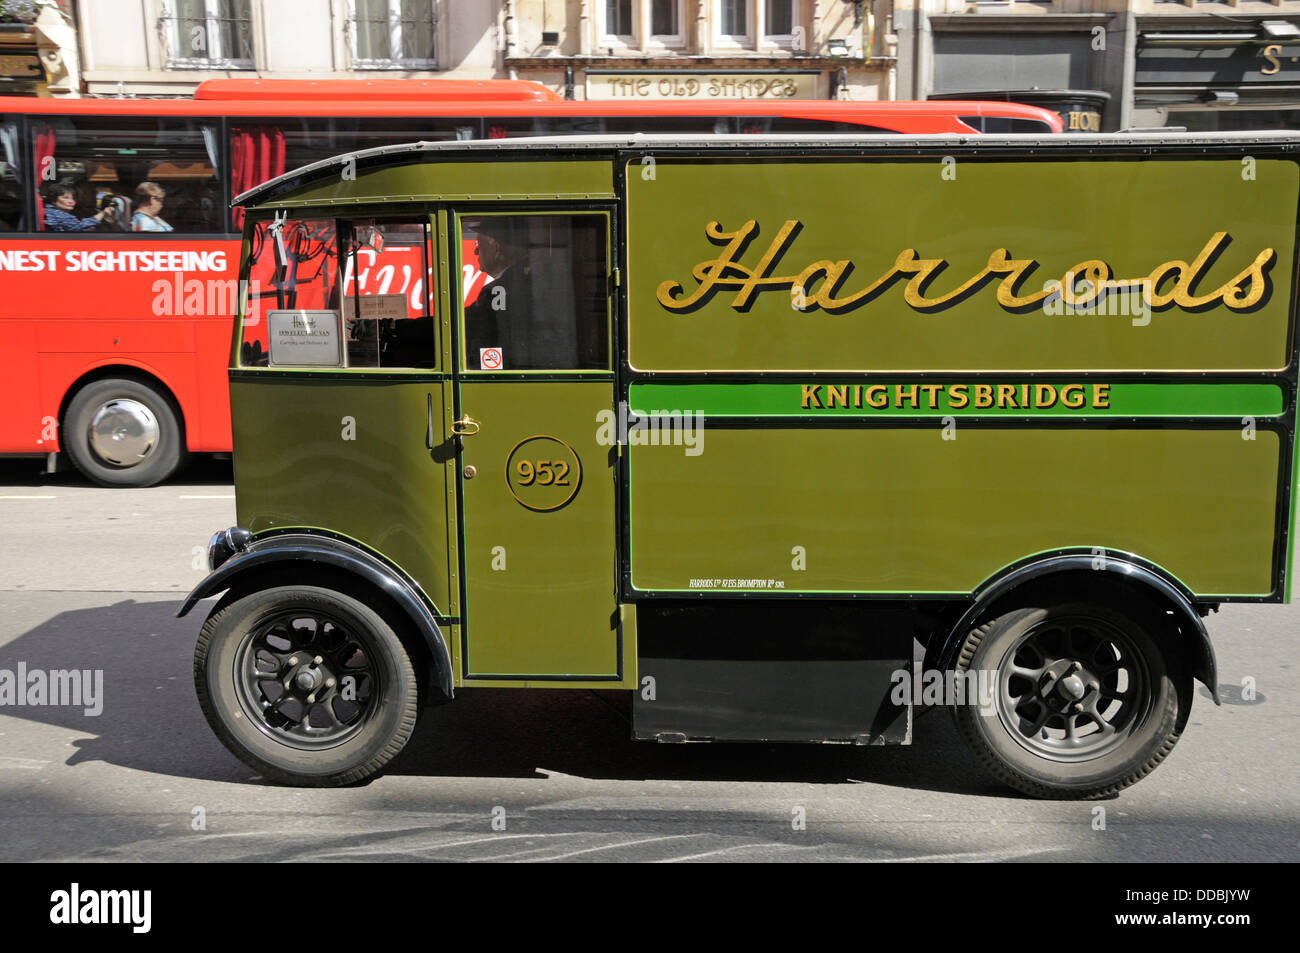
1073 689
307 680
123 432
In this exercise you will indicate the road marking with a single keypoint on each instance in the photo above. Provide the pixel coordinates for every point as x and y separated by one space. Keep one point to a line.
1010 853
203 497
723 850
366 849
630 843
27 497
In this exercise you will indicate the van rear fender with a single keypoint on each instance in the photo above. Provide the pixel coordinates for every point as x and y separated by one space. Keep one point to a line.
1112 579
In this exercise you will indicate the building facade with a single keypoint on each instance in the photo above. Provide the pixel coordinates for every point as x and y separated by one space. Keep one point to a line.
583 48
1111 64
1103 64
700 49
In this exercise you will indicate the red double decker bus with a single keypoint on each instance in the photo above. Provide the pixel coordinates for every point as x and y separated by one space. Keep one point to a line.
119 252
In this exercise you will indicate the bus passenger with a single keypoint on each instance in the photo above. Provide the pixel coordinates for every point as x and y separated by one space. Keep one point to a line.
60 212
148 206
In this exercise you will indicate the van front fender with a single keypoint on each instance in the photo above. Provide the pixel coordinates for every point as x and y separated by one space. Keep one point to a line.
252 561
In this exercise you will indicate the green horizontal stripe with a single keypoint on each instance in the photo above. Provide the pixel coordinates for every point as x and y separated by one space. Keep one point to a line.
761 399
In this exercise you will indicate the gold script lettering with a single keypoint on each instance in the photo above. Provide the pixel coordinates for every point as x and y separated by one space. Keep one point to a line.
820 282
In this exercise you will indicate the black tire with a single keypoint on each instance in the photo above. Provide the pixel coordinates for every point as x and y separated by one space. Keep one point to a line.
251 645
1033 738
152 444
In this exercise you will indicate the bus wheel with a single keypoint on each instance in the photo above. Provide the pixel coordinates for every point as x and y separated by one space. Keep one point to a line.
1072 701
120 432
307 686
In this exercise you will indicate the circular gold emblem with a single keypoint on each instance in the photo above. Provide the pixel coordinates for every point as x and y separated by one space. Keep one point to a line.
543 473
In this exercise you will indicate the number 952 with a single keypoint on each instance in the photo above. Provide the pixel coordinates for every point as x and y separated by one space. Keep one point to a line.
542 472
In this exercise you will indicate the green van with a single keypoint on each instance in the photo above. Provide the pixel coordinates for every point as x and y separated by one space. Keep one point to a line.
784 437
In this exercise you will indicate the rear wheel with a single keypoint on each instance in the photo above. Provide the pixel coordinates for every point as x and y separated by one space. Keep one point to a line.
306 685
1079 701
121 432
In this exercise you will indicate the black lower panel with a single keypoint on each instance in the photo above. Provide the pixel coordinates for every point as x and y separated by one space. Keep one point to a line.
771 673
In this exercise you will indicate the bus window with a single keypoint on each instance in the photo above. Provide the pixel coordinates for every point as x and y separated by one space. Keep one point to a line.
386 295
511 127
310 140
263 150
685 125
546 303
508 127
1006 124
11 180
757 125
112 167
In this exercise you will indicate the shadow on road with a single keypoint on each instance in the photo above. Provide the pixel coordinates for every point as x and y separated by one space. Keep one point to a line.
202 470
151 722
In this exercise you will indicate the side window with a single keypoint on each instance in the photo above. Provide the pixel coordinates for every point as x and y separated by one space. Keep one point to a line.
305 309
387 295
536 292
291 311
126 174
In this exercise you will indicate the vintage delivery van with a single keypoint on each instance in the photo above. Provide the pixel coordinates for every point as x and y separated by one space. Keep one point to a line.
735 424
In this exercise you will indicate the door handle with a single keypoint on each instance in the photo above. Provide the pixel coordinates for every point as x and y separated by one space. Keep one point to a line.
467 426
428 425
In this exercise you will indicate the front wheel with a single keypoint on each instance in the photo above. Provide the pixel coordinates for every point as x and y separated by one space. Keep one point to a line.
306 685
121 432
1076 701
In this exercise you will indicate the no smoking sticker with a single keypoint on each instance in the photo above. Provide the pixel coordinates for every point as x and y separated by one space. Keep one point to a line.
489 358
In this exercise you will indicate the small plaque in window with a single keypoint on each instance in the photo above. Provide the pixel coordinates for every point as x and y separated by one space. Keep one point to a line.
376 307
300 338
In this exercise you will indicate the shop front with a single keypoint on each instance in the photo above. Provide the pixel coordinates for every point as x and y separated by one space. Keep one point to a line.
1239 74
1069 63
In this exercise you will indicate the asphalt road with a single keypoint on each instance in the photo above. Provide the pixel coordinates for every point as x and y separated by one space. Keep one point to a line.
91 579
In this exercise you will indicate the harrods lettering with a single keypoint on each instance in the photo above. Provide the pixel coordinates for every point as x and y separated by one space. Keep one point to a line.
827 285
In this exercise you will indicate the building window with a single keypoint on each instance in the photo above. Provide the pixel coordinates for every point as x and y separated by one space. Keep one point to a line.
733 22
393 34
643 24
209 34
775 23
780 19
666 19
618 21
